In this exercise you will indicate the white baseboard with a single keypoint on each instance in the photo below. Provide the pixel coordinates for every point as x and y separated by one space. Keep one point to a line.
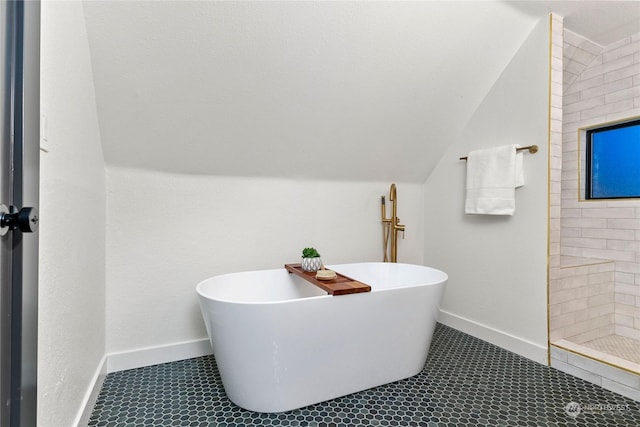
515 344
137 358
89 400
148 356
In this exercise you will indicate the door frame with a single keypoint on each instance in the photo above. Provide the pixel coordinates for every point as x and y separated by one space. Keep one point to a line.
20 356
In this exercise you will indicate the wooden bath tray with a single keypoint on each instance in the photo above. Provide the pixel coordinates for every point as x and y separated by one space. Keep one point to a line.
341 285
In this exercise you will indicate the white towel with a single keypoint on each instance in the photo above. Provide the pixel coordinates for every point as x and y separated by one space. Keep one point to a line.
492 177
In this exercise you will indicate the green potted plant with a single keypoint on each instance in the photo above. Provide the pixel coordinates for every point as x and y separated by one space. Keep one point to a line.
311 260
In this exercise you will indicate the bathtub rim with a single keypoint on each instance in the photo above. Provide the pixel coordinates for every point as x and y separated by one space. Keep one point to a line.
444 278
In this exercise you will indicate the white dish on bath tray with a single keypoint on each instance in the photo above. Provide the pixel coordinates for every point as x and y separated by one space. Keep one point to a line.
324 274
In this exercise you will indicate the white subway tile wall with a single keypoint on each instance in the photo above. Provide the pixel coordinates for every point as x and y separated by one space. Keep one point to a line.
584 293
581 301
601 84
555 148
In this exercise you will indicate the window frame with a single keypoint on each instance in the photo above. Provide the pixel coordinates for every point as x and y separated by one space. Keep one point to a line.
588 157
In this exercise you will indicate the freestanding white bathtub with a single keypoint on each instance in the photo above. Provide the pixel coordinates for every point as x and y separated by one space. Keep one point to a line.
282 343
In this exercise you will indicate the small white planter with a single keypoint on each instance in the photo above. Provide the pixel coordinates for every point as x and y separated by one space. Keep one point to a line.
311 264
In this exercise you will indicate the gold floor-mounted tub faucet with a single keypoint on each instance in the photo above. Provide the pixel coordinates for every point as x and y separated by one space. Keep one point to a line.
391 226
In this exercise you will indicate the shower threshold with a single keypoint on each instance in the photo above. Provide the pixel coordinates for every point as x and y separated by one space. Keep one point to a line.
614 350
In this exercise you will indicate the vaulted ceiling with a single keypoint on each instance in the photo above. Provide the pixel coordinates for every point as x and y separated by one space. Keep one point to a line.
326 90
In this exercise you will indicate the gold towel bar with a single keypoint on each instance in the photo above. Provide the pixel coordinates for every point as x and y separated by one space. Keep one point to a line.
532 149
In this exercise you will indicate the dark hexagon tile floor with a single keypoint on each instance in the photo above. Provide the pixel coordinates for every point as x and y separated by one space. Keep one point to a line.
465 382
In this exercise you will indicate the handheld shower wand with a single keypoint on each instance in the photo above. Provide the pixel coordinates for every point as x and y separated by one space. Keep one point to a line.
386 230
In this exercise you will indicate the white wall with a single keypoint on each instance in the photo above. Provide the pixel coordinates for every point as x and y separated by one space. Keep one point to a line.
167 232
71 339
496 264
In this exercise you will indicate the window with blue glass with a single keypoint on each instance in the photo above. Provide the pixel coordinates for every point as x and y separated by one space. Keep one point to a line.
613 161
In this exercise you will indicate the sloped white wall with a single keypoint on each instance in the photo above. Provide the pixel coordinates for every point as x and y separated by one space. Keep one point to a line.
71 339
167 232
496 264
210 82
